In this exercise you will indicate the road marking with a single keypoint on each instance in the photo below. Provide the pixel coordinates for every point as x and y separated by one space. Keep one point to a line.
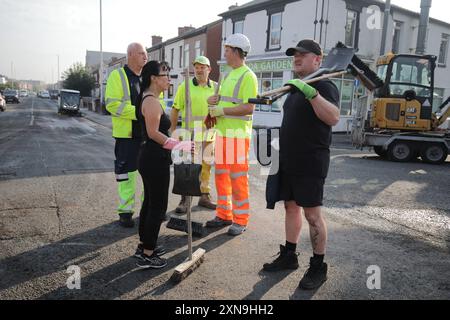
32 113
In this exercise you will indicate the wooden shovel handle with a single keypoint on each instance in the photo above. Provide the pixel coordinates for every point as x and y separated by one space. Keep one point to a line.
288 88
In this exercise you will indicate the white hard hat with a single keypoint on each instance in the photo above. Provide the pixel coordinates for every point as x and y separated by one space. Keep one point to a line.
238 40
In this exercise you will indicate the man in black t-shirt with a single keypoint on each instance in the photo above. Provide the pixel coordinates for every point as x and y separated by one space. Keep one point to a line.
305 137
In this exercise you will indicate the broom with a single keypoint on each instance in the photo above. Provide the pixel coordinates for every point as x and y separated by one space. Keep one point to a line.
194 259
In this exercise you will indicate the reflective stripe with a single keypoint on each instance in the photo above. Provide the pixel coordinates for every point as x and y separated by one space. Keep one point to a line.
236 175
237 88
222 171
126 94
245 118
198 118
111 100
220 206
129 208
232 100
241 203
121 108
241 212
223 198
121 177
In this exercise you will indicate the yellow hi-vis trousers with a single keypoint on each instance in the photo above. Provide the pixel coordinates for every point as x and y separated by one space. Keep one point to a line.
231 156
207 149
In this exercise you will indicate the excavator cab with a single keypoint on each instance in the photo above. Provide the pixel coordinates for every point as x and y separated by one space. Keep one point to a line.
405 100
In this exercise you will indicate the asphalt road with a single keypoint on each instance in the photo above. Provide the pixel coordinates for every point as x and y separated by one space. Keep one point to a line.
57 209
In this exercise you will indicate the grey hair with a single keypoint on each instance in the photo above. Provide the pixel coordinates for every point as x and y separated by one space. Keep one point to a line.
133 47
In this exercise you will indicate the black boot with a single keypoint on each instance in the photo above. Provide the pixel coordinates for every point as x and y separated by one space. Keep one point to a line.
315 276
126 220
182 206
287 260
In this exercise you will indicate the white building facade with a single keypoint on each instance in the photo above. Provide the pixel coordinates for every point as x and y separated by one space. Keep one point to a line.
274 26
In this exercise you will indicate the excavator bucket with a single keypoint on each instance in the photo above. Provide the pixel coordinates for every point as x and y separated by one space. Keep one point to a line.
360 70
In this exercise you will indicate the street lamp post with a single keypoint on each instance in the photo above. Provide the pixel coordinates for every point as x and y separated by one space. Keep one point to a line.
57 79
387 12
101 57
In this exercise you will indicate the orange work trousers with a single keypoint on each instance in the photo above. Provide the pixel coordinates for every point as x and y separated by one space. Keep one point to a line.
231 163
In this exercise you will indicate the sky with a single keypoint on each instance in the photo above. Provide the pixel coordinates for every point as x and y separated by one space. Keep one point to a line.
33 33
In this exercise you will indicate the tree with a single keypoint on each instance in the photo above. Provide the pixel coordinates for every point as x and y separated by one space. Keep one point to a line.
79 78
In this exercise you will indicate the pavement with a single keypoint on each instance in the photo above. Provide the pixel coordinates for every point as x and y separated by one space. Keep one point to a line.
57 209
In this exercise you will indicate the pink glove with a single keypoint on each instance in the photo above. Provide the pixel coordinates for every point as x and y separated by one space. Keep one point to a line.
172 144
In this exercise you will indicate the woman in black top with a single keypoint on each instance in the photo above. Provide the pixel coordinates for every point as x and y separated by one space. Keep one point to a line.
154 163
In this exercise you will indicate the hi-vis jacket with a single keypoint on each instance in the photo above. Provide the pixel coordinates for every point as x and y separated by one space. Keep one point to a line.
118 103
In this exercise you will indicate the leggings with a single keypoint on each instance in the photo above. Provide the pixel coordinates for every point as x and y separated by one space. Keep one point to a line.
156 193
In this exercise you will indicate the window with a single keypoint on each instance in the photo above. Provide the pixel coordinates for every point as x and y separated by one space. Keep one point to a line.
198 51
351 94
181 57
269 81
443 51
346 91
274 34
172 54
186 55
397 34
350 28
438 98
238 26
410 73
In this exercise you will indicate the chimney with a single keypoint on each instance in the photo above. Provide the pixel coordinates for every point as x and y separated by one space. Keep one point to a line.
156 40
425 6
233 7
184 30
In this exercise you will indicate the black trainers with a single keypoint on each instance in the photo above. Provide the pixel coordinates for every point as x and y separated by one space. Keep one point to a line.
126 220
151 262
159 251
314 277
287 260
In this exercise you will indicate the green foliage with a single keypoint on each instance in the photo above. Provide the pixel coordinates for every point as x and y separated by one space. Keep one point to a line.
79 78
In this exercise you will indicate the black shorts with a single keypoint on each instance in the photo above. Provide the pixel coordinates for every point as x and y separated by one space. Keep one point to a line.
307 192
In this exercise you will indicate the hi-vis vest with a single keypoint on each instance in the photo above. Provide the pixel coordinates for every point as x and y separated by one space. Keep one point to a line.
198 110
118 103
237 87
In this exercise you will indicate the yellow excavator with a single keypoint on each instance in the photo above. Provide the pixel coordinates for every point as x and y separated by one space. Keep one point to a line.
400 123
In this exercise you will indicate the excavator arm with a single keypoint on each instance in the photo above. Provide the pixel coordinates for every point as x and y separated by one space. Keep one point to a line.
445 108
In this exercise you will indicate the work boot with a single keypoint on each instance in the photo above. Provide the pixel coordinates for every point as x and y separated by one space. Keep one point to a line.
236 229
126 220
315 276
205 202
217 223
287 260
182 206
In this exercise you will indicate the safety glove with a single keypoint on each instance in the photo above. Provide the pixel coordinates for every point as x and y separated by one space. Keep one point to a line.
216 112
309 92
173 144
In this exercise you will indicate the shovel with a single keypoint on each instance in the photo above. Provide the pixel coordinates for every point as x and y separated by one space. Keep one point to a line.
340 61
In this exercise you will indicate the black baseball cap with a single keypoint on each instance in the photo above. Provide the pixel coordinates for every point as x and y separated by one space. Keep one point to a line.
306 46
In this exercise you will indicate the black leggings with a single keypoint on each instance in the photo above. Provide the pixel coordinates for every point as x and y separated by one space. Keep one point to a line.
156 193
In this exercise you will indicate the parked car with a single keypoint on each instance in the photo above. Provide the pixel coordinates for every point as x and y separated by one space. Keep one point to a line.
23 93
2 103
54 94
44 94
11 96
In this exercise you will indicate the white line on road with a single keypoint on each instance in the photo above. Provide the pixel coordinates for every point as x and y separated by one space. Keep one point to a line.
32 113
